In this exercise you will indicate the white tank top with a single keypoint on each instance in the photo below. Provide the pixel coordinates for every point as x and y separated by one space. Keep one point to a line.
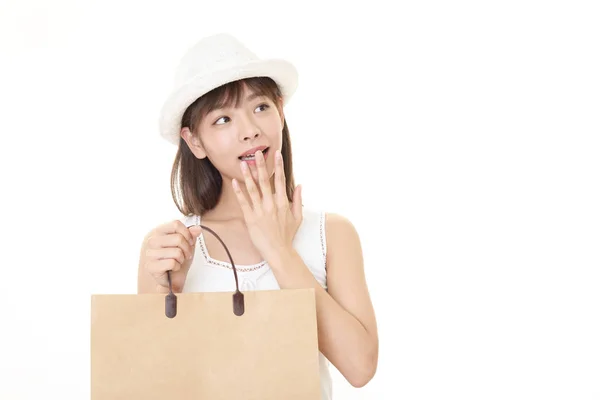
209 275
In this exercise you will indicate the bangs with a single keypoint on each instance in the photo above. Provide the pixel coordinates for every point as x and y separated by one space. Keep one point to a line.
228 95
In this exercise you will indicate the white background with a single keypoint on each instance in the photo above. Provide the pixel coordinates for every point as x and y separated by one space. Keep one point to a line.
461 138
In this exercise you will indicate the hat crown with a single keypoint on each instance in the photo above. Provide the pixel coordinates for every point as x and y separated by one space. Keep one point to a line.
211 54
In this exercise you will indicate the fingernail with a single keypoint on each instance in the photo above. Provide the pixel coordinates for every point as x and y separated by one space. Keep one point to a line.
278 155
244 166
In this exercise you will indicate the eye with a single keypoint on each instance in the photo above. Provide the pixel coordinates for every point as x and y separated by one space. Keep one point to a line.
262 107
222 120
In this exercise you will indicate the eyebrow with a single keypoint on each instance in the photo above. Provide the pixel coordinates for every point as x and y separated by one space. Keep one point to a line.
253 96
249 98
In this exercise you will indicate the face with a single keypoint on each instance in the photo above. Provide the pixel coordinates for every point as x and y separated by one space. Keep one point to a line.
228 134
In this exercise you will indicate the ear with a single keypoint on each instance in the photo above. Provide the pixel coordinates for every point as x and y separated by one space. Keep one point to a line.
193 143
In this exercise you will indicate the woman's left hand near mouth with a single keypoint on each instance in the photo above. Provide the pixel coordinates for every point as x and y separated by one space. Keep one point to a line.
271 221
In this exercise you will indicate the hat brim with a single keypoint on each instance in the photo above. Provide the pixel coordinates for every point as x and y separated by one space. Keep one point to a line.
281 71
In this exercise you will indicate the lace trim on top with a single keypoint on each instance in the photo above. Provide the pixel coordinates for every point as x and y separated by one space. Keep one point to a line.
212 261
323 243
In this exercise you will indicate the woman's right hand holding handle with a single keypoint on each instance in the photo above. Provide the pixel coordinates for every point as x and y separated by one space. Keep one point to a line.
169 247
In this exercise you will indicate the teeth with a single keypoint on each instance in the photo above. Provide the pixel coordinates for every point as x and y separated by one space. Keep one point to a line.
251 156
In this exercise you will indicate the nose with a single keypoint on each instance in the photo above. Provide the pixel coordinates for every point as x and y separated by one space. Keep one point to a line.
248 129
250 136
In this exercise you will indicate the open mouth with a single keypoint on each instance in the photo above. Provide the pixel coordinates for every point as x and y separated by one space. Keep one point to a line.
251 157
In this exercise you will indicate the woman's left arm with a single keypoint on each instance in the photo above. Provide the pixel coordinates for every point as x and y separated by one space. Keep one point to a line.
346 321
345 318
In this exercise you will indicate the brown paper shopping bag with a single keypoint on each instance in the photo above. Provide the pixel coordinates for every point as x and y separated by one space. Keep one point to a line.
258 345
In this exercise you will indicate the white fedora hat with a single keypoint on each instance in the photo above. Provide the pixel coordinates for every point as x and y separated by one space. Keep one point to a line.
212 62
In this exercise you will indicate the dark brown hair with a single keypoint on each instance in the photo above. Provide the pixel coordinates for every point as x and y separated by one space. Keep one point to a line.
195 183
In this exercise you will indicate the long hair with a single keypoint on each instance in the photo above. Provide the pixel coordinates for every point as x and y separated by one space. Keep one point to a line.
196 184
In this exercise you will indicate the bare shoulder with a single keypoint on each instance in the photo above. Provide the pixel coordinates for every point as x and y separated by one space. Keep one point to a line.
337 220
341 232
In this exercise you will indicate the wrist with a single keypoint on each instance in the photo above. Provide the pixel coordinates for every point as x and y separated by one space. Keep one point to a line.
280 256
290 270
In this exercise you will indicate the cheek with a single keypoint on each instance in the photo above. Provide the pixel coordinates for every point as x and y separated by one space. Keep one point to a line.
217 143
274 130
222 152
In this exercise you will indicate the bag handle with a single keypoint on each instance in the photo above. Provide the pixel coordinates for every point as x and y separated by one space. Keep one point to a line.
238 297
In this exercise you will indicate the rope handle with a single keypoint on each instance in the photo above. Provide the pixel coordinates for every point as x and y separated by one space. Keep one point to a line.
238 297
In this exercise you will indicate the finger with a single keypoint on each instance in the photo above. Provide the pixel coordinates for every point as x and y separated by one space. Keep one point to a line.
280 192
241 198
174 240
160 277
195 231
251 187
158 270
263 181
176 227
166 253
162 283
162 289
297 203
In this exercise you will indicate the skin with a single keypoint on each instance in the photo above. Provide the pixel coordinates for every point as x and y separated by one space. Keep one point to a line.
254 215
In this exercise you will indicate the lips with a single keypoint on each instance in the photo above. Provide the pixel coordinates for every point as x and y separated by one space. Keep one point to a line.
249 155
